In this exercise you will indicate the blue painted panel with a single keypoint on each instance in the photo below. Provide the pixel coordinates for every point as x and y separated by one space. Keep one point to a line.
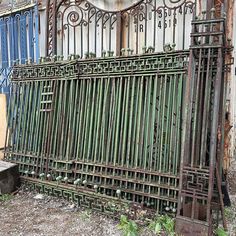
19 40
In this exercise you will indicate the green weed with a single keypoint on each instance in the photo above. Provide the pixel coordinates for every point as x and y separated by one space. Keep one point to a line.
128 227
84 215
5 197
163 223
221 232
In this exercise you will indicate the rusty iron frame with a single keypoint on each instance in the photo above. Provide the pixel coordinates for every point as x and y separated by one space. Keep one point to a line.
134 20
200 174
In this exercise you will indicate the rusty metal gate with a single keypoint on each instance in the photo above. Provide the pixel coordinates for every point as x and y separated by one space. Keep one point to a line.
111 126
108 132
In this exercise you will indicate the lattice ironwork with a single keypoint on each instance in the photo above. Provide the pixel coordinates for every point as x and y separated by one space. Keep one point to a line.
107 125
202 149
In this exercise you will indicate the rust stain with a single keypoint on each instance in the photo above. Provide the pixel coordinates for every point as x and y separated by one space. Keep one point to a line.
227 157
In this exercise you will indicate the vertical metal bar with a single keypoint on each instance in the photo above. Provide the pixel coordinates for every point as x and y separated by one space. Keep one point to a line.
36 32
118 34
30 34
23 38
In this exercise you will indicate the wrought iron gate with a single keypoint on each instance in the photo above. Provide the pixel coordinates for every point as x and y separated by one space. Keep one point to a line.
109 125
106 131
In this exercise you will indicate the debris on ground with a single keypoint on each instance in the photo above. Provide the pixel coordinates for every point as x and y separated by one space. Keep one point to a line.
34 214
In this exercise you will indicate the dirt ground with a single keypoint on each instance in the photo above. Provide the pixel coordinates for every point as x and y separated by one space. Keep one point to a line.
32 214
25 215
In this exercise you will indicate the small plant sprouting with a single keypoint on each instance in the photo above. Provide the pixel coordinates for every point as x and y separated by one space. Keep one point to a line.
5 197
128 227
85 215
221 232
163 224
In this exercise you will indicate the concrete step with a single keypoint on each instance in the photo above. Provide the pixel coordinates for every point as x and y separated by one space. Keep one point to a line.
9 177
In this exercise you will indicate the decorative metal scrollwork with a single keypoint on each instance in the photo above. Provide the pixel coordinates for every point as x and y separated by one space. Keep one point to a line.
80 27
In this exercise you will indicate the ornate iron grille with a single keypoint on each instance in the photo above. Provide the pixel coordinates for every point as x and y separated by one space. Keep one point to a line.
108 126
19 40
79 27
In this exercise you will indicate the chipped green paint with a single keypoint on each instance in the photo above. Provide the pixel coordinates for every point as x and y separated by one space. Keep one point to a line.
113 123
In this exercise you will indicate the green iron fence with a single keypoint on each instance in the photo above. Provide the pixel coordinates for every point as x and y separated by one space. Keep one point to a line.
108 127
